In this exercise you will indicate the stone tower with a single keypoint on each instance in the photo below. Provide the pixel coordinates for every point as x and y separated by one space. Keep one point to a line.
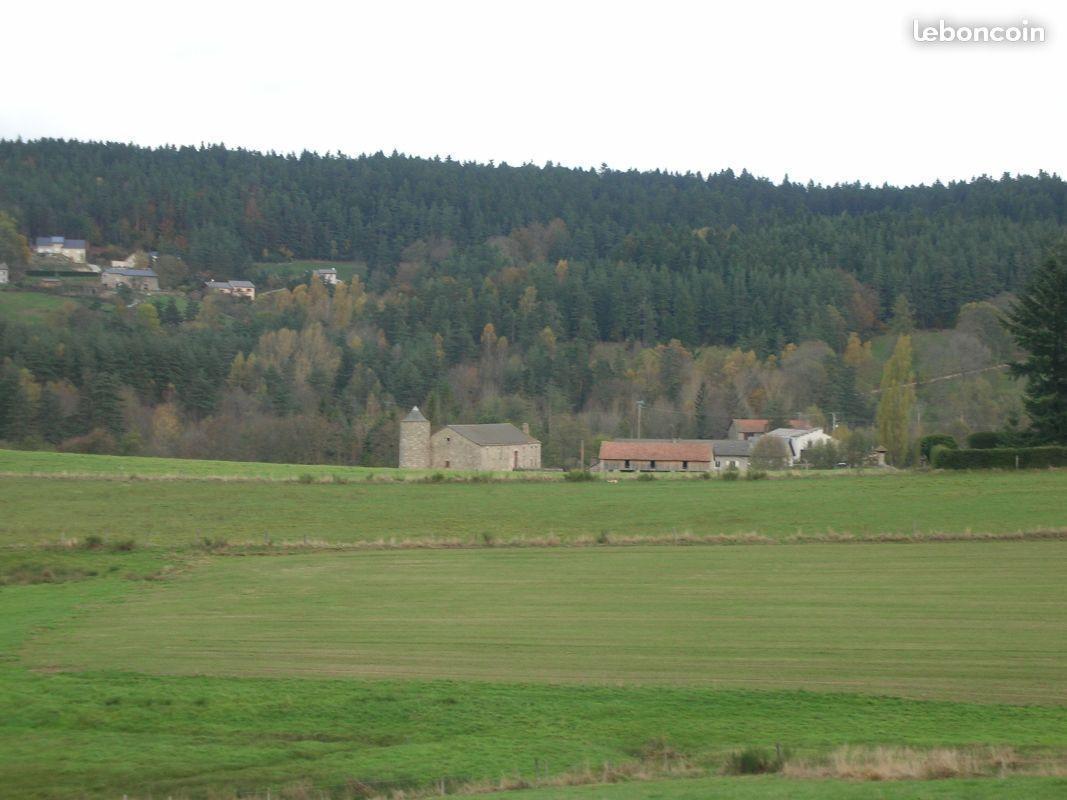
415 441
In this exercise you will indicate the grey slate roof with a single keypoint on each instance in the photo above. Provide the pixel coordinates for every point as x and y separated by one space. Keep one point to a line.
496 433
242 284
789 433
77 244
736 448
131 273
46 240
414 416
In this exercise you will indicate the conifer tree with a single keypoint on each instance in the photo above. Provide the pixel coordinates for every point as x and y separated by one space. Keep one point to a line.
1038 321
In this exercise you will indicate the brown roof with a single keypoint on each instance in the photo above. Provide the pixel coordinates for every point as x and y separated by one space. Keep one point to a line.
751 425
651 450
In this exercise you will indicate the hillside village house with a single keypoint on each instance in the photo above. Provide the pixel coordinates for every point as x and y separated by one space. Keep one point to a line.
751 429
74 249
140 280
673 455
133 261
244 289
3 273
492 447
327 276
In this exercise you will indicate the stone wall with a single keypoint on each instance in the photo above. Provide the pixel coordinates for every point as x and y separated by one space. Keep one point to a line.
415 445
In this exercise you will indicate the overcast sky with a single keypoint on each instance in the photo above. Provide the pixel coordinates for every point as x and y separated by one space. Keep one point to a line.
823 91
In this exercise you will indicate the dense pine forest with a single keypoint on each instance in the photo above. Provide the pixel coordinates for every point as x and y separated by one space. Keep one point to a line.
545 294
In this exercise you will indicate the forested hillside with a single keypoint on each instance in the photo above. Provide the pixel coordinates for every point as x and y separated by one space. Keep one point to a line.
547 294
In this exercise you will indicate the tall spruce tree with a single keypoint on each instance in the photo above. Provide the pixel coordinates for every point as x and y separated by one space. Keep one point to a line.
1038 321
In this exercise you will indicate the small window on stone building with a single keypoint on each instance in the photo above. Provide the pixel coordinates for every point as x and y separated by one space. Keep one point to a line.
447 464
627 464
651 464
685 465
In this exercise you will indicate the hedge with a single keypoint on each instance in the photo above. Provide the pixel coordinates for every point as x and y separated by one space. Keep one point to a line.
1000 458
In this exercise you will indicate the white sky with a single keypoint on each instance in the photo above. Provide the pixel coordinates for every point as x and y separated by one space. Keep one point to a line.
832 91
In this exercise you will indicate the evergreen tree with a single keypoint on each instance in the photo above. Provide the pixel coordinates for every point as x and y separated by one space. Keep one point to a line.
1038 321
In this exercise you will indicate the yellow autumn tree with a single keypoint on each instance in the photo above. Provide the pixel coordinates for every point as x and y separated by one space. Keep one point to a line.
896 402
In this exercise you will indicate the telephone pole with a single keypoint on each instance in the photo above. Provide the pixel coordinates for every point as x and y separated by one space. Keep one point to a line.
640 406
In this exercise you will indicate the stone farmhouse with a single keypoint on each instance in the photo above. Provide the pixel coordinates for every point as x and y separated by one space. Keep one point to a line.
245 289
3 273
493 447
673 455
140 280
74 249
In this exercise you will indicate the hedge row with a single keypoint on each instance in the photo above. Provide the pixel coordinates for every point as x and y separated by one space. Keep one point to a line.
1000 458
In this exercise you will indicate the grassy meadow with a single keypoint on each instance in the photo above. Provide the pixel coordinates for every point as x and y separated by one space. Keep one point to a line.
29 306
925 620
179 503
138 660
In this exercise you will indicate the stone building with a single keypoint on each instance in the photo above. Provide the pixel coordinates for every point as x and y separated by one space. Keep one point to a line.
673 455
140 280
494 447
3 272
656 455
243 289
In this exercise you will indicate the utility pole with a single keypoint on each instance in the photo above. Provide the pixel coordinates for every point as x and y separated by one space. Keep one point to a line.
640 405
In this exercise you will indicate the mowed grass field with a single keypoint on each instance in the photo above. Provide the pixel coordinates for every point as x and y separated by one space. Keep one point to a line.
966 621
181 512
149 664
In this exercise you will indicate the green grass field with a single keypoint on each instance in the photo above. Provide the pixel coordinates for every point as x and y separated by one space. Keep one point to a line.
29 306
180 512
148 665
299 268
926 620
778 789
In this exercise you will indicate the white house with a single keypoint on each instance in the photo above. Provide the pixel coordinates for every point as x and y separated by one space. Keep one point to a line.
3 273
800 439
327 276
74 249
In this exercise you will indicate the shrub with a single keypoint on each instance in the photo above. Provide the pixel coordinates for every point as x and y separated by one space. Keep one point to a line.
341 479
1000 458
98 441
437 477
770 452
646 476
306 478
579 476
983 440
928 443
754 761
824 455
123 545
755 475
93 542
731 473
